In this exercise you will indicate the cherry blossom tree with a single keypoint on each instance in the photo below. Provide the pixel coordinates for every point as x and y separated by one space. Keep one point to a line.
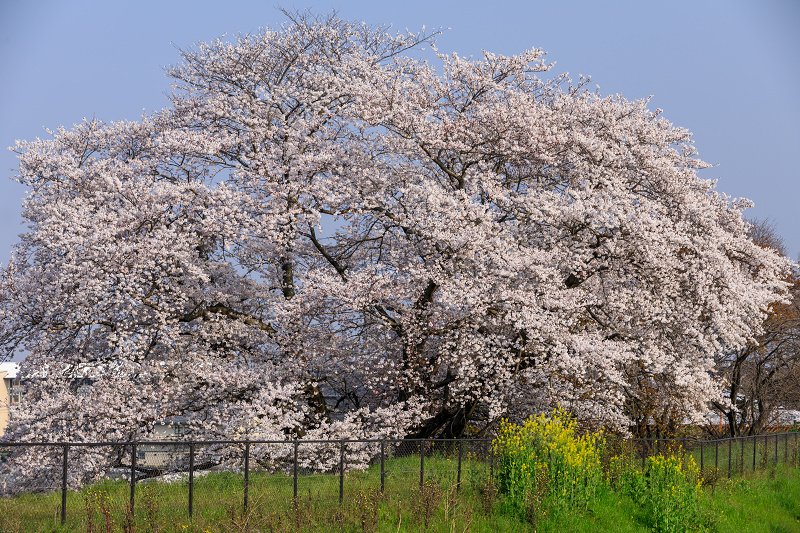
327 235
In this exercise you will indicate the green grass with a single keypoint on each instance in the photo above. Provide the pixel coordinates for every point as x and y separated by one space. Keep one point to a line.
218 500
767 501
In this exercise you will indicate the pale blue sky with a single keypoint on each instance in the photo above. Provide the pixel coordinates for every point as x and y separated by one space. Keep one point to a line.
728 70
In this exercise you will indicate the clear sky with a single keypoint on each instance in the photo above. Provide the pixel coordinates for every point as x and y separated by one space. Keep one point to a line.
728 70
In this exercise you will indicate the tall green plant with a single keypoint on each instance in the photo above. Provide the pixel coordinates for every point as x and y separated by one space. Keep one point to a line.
668 491
547 449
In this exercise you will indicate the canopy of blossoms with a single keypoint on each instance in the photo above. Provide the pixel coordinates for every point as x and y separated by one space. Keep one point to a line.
328 236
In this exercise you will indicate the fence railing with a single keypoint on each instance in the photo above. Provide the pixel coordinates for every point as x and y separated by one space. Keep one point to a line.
67 466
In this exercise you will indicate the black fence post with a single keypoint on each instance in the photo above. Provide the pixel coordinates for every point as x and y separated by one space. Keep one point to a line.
383 463
191 478
716 456
421 464
341 472
294 474
776 449
246 474
755 446
458 475
644 454
730 450
741 444
133 475
65 450
701 456
785 448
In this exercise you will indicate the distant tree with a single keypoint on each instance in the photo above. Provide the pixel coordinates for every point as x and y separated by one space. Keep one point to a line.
761 376
504 241
790 390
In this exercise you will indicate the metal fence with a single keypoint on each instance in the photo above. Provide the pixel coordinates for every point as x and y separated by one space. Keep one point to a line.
283 469
329 470
734 455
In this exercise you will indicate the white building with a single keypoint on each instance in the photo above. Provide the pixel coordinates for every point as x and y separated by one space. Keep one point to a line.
9 372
